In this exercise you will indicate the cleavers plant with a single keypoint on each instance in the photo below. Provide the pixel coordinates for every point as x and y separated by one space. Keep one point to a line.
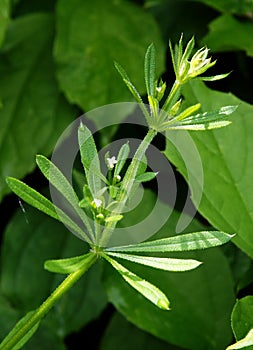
105 196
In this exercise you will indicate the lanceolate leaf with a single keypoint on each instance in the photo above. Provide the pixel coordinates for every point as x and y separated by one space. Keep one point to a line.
133 91
215 77
149 70
121 158
167 264
201 126
59 181
40 202
188 49
210 116
148 176
185 242
202 121
148 290
89 158
66 266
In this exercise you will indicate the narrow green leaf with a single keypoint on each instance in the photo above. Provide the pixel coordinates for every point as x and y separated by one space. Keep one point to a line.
215 77
67 266
187 112
200 126
133 91
210 116
90 160
149 70
121 158
40 202
148 176
114 218
179 51
32 197
154 106
59 181
168 264
147 289
185 242
16 329
174 63
203 121
243 343
128 82
188 49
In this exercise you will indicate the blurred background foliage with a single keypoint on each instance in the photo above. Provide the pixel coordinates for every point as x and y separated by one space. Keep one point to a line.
56 63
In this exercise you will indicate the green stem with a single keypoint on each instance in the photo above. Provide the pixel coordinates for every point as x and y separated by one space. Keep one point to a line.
173 96
69 281
127 184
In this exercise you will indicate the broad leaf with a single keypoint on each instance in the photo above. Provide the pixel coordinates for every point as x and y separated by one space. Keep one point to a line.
34 113
230 6
116 336
242 323
40 202
148 290
226 192
186 242
201 299
4 18
85 61
66 266
166 264
219 37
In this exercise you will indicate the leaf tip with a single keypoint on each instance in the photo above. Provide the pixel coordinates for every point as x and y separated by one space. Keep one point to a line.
164 304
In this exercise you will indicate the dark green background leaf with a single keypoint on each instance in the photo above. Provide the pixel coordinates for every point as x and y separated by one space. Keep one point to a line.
4 18
121 334
231 6
220 39
95 35
242 317
34 113
227 165
201 300
26 284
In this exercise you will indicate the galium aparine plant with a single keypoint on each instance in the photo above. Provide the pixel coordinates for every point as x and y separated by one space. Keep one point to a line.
105 197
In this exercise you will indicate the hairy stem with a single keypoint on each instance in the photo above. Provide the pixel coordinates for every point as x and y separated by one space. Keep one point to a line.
36 317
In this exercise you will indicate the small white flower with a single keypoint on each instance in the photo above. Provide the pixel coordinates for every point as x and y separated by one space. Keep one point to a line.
111 162
97 202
